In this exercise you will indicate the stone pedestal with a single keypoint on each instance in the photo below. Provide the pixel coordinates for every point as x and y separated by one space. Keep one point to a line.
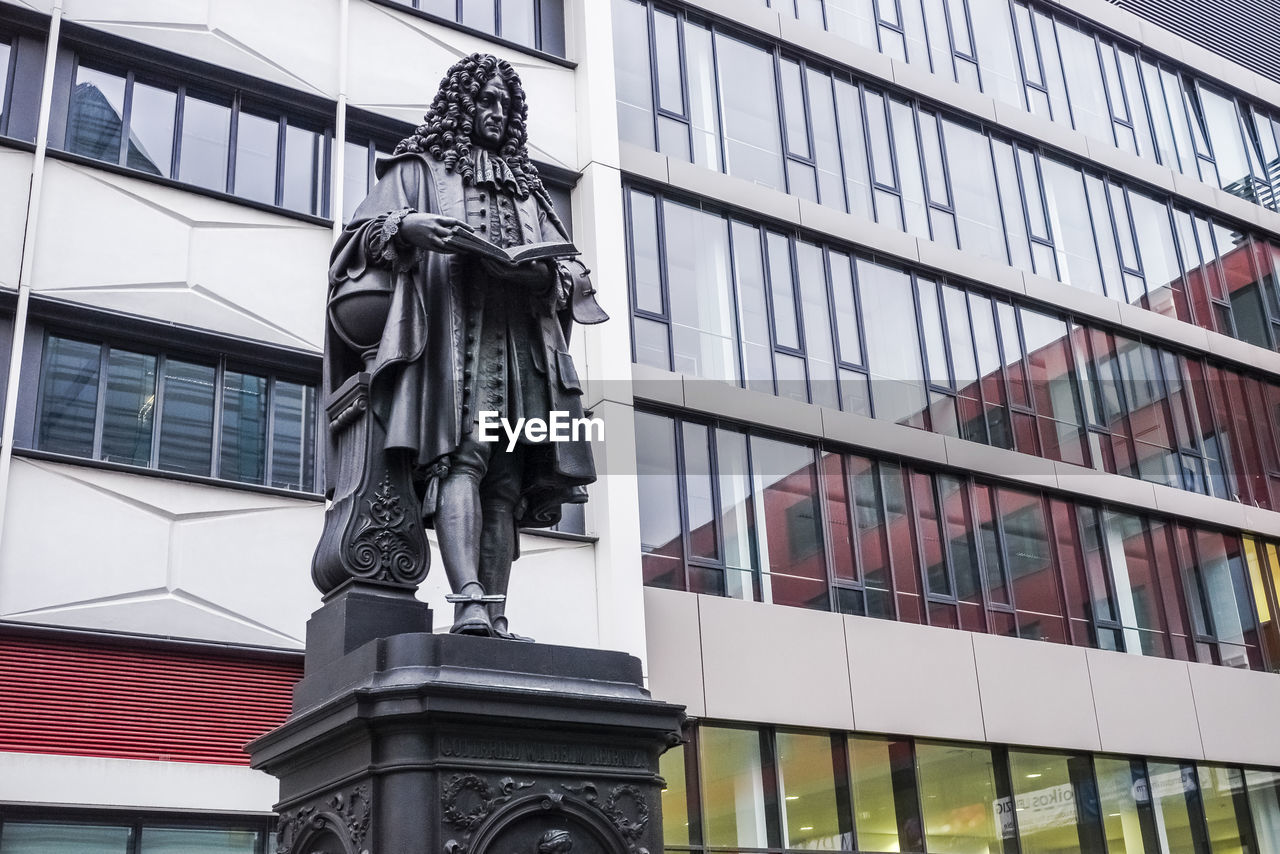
441 744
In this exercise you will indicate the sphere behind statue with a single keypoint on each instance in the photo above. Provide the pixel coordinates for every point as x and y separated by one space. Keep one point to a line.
358 311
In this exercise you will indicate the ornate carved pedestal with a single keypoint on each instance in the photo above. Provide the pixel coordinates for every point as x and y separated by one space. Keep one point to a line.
373 529
444 744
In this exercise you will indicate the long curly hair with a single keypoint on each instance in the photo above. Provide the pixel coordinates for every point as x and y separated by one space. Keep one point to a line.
445 132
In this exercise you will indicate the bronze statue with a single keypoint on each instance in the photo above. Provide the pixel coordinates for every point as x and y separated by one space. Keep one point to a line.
430 327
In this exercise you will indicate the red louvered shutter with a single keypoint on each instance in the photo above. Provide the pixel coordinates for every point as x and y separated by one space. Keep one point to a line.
89 696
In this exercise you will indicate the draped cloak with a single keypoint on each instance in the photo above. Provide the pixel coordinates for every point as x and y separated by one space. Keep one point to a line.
420 374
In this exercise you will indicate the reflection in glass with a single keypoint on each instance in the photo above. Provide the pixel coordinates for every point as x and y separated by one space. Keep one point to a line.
631 72
806 781
700 289
1045 800
958 797
256 141
186 420
732 788
675 798
788 522
517 21
20 837
293 436
893 350
882 791
303 170
1123 797
657 483
151 117
128 412
96 114
68 396
1226 814
1264 804
749 102
1173 790
244 427
163 840
206 129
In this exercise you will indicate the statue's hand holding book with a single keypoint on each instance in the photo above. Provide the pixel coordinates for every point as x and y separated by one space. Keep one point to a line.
471 243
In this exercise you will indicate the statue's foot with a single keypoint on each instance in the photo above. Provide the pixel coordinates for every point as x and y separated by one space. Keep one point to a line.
472 618
500 630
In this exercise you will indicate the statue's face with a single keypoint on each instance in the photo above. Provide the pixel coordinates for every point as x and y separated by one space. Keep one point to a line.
493 106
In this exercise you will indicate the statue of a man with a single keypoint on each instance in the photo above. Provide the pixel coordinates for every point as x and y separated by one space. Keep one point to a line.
447 335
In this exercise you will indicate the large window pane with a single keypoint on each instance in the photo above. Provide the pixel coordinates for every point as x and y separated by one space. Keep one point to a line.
96 114
244 427
256 142
206 129
1123 797
517 21
1264 804
21 837
1226 811
159 840
675 797
958 796
130 404
69 397
632 70
1045 800
293 436
701 292
749 101
660 528
732 788
893 348
151 116
304 165
186 420
974 186
788 522
883 789
806 780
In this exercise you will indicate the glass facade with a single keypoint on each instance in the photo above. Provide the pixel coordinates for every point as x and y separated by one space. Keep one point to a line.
27 831
533 23
873 794
215 139
1061 68
118 405
757 113
730 512
724 298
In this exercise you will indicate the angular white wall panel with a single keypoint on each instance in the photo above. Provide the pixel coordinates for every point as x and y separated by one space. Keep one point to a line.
913 680
397 60
15 183
1236 710
1144 705
290 42
155 556
768 663
1035 694
674 651
133 246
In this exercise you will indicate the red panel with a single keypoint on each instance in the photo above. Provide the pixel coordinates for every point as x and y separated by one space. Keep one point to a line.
89 697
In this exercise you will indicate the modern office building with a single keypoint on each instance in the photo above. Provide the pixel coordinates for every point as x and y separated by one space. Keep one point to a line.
941 476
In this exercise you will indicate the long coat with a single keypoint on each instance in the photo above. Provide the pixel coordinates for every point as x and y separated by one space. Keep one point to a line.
416 389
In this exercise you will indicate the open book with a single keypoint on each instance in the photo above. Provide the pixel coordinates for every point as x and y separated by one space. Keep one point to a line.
468 241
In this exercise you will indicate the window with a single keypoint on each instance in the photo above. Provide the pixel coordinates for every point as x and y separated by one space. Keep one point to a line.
533 23
28 831
720 297
727 512
218 140
155 410
700 95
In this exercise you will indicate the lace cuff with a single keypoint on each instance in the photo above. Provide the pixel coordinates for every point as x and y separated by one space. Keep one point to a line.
384 245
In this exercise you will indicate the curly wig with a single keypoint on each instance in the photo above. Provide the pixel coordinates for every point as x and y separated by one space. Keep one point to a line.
445 132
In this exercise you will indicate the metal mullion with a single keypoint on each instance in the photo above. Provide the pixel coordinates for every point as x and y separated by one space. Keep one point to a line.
693 784
772 790
1106 87
1196 580
325 208
157 409
269 443
1198 824
126 119
829 291
824 523
914 106
219 384
233 140
497 18
844 174
1004 792
537 24
973 346
682 508
889 554
852 513
281 132
717 506
1026 215
922 348
1072 362
793 251
1108 582
100 407
1147 110
654 94
995 174
767 284
1002 543
736 298
757 557
135 836
866 146
1128 215
177 131
1097 240
1017 49
846 818
782 120
660 219
715 74
6 96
